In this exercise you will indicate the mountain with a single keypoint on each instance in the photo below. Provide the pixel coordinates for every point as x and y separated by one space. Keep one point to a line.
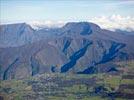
76 48
15 34
125 32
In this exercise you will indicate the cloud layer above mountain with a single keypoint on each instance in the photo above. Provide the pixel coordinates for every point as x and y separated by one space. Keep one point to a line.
46 23
115 22
106 22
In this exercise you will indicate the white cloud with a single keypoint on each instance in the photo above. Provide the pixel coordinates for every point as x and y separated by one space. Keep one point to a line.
47 24
115 22
106 22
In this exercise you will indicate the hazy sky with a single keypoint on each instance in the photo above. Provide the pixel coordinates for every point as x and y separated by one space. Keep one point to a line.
28 10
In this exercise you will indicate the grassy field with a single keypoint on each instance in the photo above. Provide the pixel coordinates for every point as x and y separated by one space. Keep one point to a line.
101 86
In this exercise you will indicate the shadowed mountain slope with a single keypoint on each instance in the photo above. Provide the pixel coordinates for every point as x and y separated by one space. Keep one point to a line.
77 47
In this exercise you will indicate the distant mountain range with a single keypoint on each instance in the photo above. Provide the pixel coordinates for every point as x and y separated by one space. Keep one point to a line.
77 47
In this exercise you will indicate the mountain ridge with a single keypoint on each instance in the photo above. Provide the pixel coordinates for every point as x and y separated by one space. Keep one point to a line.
76 48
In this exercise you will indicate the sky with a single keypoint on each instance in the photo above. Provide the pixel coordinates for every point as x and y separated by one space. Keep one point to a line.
13 11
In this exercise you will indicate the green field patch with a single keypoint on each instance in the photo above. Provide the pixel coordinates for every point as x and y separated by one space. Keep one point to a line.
77 89
127 81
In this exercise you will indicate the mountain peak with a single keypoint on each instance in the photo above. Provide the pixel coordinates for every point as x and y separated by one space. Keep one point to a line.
82 28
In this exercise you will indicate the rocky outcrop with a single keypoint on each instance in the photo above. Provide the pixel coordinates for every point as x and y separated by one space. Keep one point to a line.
74 58
8 72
